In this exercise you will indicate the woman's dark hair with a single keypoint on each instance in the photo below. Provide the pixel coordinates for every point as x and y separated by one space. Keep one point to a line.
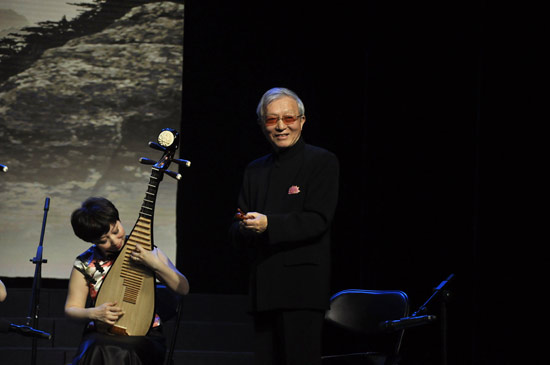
94 218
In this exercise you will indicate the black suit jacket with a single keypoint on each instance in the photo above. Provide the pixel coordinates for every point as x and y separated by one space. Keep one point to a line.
298 191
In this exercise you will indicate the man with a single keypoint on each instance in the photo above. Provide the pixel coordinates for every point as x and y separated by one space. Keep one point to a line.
286 206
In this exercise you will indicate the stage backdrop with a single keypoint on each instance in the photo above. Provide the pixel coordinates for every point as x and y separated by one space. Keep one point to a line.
83 90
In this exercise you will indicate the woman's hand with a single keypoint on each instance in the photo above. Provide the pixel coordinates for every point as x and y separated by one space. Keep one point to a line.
108 313
147 258
165 270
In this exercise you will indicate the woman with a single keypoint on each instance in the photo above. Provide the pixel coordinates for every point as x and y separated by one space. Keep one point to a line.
97 221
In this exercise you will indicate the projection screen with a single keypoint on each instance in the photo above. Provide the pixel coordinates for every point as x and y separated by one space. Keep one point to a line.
90 86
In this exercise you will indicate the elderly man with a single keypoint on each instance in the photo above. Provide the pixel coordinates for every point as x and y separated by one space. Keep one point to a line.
286 206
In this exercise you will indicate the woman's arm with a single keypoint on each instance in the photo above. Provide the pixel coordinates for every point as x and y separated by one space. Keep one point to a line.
165 270
75 305
3 292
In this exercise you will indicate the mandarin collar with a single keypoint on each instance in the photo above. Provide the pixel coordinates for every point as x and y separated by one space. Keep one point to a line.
285 154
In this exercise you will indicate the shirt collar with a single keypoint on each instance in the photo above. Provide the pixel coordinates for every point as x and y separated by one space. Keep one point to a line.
285 154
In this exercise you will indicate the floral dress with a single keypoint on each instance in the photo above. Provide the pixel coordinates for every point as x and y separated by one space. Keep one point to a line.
98 348
94 266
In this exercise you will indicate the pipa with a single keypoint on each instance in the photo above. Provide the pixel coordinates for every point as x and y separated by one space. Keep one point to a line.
129 284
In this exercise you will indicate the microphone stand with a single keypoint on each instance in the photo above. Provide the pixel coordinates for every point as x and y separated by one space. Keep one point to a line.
445 294
32 319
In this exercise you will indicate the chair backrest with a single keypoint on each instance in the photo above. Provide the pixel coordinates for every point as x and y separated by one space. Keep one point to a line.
361 312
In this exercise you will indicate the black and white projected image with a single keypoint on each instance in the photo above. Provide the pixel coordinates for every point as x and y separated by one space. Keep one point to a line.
87 89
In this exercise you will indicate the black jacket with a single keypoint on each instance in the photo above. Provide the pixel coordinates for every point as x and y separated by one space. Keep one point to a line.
298 191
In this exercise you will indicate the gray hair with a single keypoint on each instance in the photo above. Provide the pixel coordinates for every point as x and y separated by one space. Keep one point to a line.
274 94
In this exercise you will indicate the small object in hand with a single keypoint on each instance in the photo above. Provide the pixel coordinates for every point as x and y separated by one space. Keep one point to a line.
241 215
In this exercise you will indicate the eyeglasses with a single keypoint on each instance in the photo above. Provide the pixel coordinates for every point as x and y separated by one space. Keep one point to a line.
287 119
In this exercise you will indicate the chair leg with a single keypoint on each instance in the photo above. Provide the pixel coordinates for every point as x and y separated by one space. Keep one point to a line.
169 360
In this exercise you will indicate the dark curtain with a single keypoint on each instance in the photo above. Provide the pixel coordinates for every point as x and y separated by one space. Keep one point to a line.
402 92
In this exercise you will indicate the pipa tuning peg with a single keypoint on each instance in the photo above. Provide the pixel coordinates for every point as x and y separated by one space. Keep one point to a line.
173 174
182 162
156 146
146 161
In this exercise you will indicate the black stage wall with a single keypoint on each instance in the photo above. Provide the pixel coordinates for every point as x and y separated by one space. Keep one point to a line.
398 90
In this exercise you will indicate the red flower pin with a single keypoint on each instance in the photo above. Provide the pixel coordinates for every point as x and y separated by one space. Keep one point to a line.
294 189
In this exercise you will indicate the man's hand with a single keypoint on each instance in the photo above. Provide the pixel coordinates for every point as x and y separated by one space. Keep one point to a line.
254 222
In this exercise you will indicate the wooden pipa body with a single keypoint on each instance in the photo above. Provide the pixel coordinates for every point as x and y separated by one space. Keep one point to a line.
131 285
